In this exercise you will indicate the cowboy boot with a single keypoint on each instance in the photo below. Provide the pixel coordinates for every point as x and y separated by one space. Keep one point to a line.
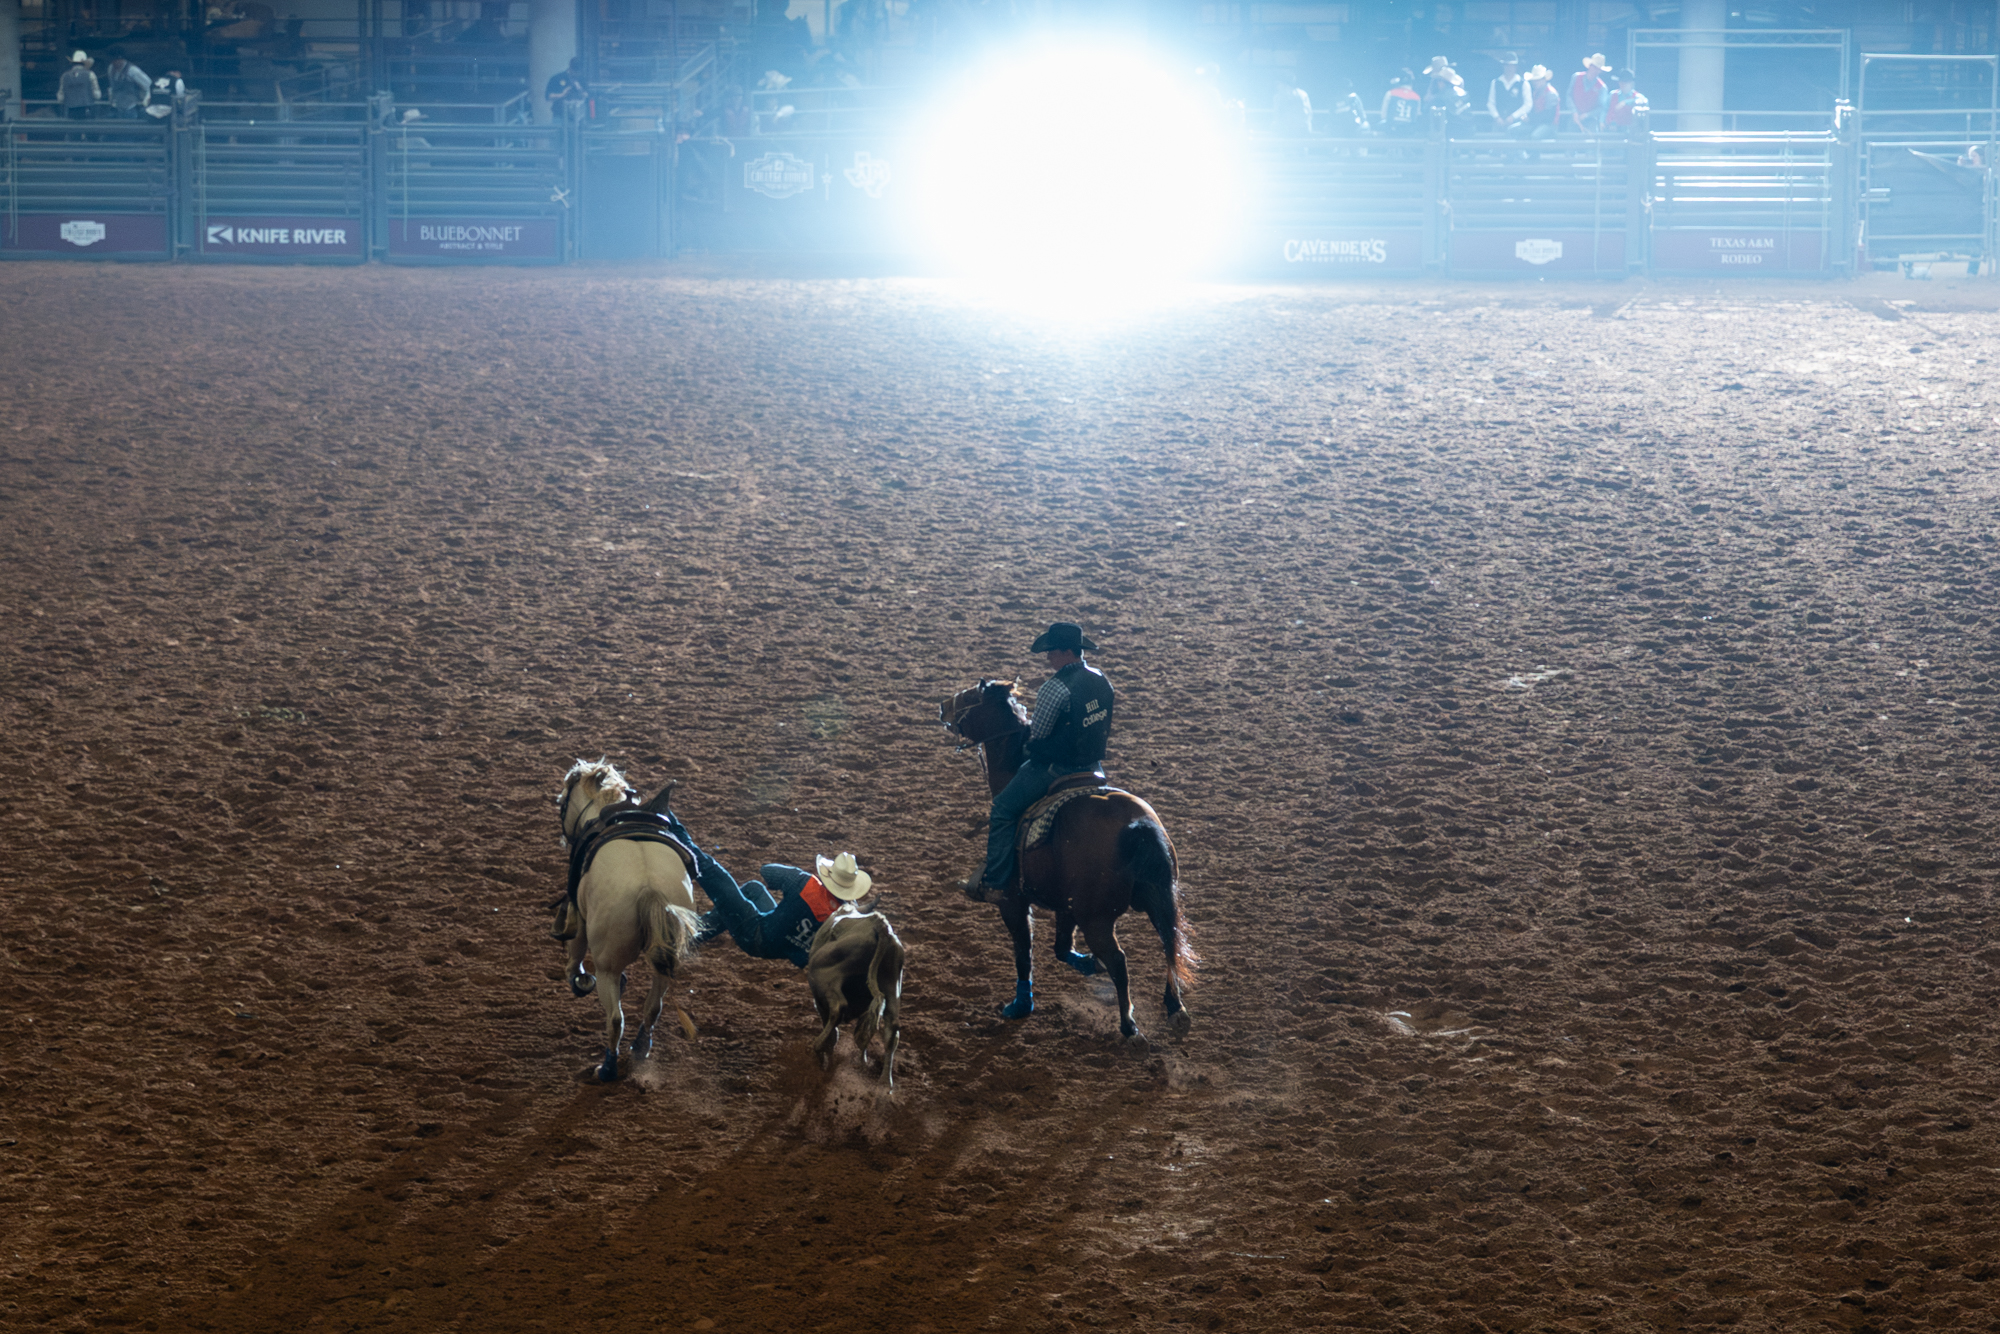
565 926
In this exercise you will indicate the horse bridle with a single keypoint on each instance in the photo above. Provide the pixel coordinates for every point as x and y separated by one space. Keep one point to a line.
971 741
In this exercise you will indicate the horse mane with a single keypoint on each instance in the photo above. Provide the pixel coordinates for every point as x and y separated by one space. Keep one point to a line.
1015 696
603 773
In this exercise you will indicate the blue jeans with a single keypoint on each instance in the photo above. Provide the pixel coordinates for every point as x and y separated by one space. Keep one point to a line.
1030 784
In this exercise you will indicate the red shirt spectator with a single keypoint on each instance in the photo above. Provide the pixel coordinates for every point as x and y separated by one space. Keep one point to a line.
1621 104
1586 95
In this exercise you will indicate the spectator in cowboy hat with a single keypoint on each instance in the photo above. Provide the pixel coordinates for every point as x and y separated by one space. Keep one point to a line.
1071 722
1507 101
129 88
1544 103
77 92
1444 82
1621 105
1586 95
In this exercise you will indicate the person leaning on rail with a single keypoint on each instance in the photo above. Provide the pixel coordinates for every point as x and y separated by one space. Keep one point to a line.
1071 723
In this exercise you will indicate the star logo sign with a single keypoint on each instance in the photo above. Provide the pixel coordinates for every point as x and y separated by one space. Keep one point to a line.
868 174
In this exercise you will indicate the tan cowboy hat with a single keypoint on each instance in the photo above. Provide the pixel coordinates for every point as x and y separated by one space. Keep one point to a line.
842 878
1540 74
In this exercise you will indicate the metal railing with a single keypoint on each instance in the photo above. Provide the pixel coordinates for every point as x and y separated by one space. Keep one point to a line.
448 193
86 188
836 110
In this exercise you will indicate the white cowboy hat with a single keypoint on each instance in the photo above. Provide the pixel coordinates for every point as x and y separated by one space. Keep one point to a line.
842 878
78 58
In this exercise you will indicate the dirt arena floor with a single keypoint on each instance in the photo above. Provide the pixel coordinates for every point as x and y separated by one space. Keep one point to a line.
1574 708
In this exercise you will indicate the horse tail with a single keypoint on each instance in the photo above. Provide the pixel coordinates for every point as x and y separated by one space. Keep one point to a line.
668 931
1147 856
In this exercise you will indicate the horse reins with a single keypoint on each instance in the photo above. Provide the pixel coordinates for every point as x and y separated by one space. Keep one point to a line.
971 741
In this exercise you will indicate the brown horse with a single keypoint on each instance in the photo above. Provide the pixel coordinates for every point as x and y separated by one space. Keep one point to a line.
1108 852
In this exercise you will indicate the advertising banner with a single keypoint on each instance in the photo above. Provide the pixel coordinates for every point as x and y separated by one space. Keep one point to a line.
1546 252
1339 252
280 237
1739 251
815 174
84 234
487 239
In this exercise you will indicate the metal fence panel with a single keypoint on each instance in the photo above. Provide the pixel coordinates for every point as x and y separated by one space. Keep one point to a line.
625 211
93 189
1324 208
465 195
1746 204
1928 198
278 193
1539 207
796 194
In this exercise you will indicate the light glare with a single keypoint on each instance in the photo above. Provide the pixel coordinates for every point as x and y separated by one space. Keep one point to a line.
1086 177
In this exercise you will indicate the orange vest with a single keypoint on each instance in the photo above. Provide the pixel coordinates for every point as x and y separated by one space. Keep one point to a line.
823 904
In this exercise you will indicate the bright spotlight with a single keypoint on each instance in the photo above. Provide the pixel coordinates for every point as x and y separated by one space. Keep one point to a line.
1081 175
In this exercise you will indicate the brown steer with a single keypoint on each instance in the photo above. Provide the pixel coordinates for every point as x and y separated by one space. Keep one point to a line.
855 970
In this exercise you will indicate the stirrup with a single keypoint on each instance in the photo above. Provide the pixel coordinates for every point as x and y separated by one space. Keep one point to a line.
565 926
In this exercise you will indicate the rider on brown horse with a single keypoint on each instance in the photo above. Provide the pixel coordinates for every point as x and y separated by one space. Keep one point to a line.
1071 723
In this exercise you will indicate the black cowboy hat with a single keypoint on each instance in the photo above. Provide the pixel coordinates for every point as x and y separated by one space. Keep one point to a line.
1062 637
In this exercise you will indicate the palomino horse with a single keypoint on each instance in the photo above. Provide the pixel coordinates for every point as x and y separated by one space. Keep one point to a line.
1106 853
634 900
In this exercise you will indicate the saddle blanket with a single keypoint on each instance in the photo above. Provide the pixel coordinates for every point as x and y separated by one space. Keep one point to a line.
1041 817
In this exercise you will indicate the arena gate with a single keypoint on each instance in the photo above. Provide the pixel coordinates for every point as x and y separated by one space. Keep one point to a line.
96 189
273 194
1778 204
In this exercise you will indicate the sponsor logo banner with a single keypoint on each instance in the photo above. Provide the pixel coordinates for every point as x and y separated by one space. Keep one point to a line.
1739 251
283 236
1358 251
84 233
868 174
779 176
474 238
1537 252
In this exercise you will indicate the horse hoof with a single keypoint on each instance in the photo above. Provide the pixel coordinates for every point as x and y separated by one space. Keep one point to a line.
1018 1008
584 987
1180 1021
1083 963
608 1072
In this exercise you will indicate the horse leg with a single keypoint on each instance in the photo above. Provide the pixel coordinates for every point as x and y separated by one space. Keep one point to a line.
614 1028
656 1000
1021 926
581 983
1102 934
1066 946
